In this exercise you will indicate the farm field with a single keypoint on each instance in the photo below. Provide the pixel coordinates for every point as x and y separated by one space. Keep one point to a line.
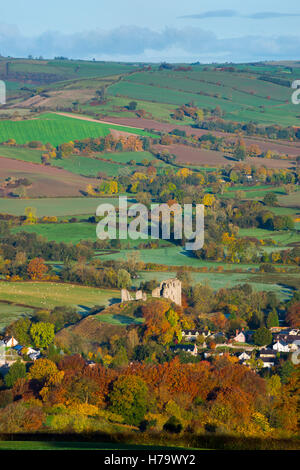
56 206
72 233
174 256
48 295
290 200
238 104
10 312
66 232
45 181
282 238
19 153
56 129
221 280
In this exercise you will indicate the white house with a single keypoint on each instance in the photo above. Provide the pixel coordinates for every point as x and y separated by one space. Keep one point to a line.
240 337
244 356
281 346
10 341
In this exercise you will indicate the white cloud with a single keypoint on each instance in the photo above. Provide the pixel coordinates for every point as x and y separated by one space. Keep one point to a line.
138 43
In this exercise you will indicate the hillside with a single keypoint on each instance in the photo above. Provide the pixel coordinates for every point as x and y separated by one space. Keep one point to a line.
244 92
96 330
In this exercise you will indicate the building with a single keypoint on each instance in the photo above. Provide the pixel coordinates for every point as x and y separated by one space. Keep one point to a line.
188 348
268 357
189 335
240 337
169 289
281 346
10 341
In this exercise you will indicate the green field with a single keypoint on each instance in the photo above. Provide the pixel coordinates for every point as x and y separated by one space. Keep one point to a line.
66 232
56 129
73 232
173 256
11 312
61 445
48 295
67 206
223 280
122 320
19 153
282 238
243 96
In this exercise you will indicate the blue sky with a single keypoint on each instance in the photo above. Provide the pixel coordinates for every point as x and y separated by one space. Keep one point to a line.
136 30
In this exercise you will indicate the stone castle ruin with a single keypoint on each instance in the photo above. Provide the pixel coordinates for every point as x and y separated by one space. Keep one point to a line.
168 289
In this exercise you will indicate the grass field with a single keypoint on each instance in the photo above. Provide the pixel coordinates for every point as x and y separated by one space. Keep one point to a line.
55 206
173 256
282 238
66 232
223 280
56 129
19 153
57 445
121 320
11 312
50 294
242 96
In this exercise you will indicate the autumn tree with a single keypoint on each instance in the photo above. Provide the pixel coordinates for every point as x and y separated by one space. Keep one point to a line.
240 150
36 269
42 334
16 371
128 398
293 315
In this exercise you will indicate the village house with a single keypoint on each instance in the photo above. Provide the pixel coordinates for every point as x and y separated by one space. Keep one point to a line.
189 335
10 341
281 346
188 348
268 357
239 337
244 356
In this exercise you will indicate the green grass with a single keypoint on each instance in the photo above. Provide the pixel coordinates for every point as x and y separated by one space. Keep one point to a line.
121 320
66 232
11 312
159 111
61 445
223 280
86 166
282 237
172 256
18 153
51 294
56 129
68 206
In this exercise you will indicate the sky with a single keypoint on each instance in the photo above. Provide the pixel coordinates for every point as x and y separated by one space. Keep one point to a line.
153 31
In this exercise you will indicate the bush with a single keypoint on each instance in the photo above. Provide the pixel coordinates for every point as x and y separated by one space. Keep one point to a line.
173 425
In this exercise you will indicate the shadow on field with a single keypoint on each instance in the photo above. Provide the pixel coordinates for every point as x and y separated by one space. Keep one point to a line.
139 440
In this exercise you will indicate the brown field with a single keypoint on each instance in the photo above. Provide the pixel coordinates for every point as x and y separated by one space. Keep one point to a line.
47 181
56 98
194 156
282 147
185 154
